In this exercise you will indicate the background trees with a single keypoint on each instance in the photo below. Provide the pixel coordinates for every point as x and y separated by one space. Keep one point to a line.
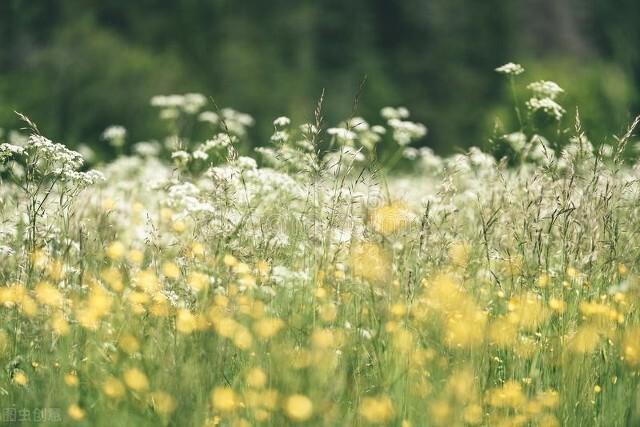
77 66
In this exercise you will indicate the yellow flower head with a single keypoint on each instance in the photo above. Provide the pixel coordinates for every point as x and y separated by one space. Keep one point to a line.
298 407
136 380
392 218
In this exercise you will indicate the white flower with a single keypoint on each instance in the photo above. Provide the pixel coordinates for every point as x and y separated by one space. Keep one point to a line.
517 140
282 121
405 131
147 149
209 116
193 102
8 150
280 136
180 156
545 89
200 155
410 153
246 163
380 130
510 69
547 105
115 135
394 113
342 134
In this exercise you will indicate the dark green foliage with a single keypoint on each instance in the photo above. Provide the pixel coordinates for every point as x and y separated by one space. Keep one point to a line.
77 66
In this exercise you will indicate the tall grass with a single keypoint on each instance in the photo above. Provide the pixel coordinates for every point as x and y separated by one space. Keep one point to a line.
186 284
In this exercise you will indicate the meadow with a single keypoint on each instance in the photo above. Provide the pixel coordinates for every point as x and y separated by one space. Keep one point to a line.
312 283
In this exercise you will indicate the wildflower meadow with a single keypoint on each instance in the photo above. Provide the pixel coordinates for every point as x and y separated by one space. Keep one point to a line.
311 282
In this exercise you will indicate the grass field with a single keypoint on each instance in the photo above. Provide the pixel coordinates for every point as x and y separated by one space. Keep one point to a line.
185 284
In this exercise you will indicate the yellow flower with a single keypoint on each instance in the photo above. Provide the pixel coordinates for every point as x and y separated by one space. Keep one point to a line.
370 262
459 254
631 347
129 344
268 327
230 260
585 340
543 280
59 324
197 281
71 379
136 380
113 388
256 378
20 378
47 294
179 227
391 218
224 399
557 305
56 270
170 270
185 322
135 257
298 407
115 251
510 395
376 410
473 414
76 412
197 250
163 403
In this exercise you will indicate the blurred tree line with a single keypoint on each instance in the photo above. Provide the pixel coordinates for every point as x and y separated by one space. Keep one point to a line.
77 66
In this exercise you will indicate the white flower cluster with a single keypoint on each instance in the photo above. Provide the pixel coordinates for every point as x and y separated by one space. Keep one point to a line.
343 135
8 150
209 117
83 178
546 105
510 69
282 121
44 150
115 135
190 103
389 113
404 131
545 89
236 122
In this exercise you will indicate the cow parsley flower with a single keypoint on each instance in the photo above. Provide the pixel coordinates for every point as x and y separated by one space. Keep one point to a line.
394 113
115 135
404 132
280 136
193 102
546 105
200 155
545 89
282 121
181 157
344 136
8 150
510 69
209 117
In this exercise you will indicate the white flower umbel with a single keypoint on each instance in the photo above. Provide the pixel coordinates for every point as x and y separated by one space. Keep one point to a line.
510 69
115 135
547 106
545 89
